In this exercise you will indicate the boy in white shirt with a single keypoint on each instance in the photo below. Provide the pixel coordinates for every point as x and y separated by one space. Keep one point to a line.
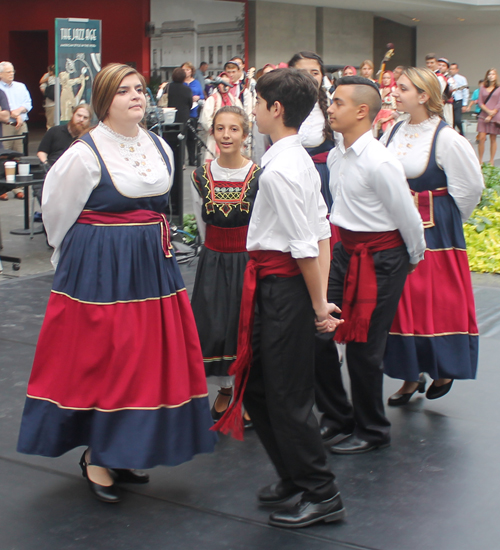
288 242
382 240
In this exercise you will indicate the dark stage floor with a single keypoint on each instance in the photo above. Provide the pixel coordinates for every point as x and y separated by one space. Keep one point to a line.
436 487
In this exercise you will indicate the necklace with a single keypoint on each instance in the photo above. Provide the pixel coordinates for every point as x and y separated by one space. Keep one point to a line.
132 151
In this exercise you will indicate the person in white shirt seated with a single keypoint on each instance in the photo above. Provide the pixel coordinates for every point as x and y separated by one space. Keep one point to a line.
382 240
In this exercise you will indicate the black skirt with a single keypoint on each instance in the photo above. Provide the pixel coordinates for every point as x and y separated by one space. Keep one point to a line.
216 307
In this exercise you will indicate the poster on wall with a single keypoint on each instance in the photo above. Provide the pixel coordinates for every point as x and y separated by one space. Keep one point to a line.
195 31
78 60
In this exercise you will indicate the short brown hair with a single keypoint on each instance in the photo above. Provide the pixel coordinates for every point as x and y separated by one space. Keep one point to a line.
190 65
430 56
106 84
179 75
367 62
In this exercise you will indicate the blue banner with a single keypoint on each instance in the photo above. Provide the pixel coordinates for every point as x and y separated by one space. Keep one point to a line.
77 61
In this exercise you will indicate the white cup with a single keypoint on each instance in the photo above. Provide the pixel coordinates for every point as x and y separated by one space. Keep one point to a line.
23 169
10 171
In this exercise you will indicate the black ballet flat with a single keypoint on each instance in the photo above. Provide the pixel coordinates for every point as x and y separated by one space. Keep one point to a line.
435 392
101 492
398 399
216 415
122 475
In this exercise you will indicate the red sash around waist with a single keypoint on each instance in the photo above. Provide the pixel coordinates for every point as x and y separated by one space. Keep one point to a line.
226 239
261 264
424 201
320 158
131 217
360 284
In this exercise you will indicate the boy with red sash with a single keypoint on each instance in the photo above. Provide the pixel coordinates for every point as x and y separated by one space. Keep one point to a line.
285 281
382 240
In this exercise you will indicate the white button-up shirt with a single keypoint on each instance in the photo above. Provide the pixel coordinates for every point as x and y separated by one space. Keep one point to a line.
370 193
289 214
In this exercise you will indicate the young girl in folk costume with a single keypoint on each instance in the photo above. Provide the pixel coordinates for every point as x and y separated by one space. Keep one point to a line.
315 132
224 192
435 329
385 118
220 98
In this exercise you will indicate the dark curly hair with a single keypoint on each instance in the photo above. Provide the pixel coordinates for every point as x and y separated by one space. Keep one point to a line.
322 97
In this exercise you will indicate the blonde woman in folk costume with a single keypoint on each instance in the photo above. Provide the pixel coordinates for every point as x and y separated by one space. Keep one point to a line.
435 329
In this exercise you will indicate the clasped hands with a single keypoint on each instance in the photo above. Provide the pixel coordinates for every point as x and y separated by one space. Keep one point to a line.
324 321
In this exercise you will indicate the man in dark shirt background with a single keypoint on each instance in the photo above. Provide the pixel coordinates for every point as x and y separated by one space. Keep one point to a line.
4 114
59 138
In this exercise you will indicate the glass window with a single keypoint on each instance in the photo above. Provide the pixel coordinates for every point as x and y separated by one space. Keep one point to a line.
219 55
210 55
229 52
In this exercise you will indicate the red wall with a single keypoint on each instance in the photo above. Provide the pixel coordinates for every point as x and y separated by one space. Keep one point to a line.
123 23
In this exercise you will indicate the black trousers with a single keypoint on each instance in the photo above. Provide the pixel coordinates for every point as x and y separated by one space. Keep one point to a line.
366 416
457 116
280 392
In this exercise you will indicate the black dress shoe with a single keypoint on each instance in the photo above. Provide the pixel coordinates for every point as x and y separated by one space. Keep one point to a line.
306 513
332 436
398 399
101 492
122 475
278 492
434 392
354 446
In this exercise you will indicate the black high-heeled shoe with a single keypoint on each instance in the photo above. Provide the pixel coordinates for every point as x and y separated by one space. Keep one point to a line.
216 415
123 475
435 392
101 492
398 399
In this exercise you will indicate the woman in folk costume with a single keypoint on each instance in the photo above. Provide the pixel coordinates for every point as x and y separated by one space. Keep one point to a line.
221 97
118 365
387 115
224 192
435 329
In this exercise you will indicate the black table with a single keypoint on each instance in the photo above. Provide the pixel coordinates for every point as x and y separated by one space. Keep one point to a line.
37 179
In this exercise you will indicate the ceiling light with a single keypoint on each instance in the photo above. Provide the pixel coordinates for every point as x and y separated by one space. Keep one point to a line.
415 19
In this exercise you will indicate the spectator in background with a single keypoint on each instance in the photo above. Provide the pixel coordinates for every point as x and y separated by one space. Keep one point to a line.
474 100
220 98
460 97
47 87
20 105
59 138
398 71
198 94
200 74
4 114
180 96
349 70
367 69
489 119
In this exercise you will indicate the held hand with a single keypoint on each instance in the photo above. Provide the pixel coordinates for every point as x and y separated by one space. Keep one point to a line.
19 121
324 321
411 268
488 118
465 109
